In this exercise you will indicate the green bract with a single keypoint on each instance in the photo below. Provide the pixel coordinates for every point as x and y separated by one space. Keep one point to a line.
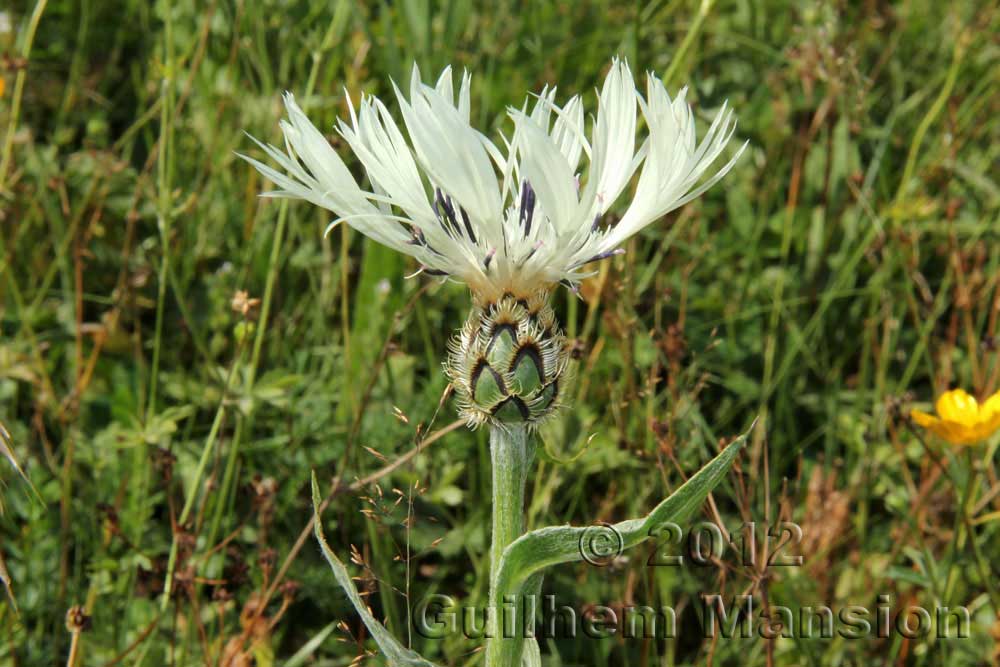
508 361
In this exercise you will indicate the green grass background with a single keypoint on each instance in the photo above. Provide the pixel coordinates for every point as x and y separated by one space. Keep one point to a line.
844 271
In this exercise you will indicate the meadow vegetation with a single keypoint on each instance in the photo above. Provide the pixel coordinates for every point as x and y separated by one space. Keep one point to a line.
177 355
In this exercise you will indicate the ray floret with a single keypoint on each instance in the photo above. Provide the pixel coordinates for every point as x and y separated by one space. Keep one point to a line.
513 217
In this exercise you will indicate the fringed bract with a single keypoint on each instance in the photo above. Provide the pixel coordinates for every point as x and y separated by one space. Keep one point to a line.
507 363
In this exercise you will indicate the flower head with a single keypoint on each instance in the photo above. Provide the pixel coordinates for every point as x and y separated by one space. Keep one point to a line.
508 362
961 419
510 218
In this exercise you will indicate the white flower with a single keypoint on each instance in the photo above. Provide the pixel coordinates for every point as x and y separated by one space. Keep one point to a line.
512 219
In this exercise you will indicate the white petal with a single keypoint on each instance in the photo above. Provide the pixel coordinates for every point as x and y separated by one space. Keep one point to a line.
325 180
675 163
477 231
567 132
453 155
545 168
464 105
613 141
543 106
444 86
387 159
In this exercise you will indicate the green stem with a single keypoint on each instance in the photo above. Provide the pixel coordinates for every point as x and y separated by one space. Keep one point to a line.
692 33
966 514
140 456
958 535
511 451
15 107
164 213
957 56
195 487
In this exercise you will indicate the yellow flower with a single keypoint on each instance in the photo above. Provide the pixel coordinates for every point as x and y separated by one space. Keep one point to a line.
961 419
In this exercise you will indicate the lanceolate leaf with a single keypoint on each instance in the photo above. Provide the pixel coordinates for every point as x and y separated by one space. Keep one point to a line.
532 656
533 552
304 654
394 653
6 449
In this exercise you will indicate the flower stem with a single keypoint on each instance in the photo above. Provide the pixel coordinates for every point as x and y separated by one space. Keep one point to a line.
966 513
961 515
511 451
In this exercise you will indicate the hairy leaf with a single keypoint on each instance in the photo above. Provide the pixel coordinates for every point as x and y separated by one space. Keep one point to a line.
533 552
532 656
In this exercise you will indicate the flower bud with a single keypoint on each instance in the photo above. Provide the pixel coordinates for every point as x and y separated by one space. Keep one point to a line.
507 362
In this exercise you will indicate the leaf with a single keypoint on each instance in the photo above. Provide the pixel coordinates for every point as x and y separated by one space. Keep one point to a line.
532 656
162 426
7 450
275 388
526 557
7 584
305 653
395 653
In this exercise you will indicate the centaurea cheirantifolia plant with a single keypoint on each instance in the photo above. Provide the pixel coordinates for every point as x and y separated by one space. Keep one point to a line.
512 221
